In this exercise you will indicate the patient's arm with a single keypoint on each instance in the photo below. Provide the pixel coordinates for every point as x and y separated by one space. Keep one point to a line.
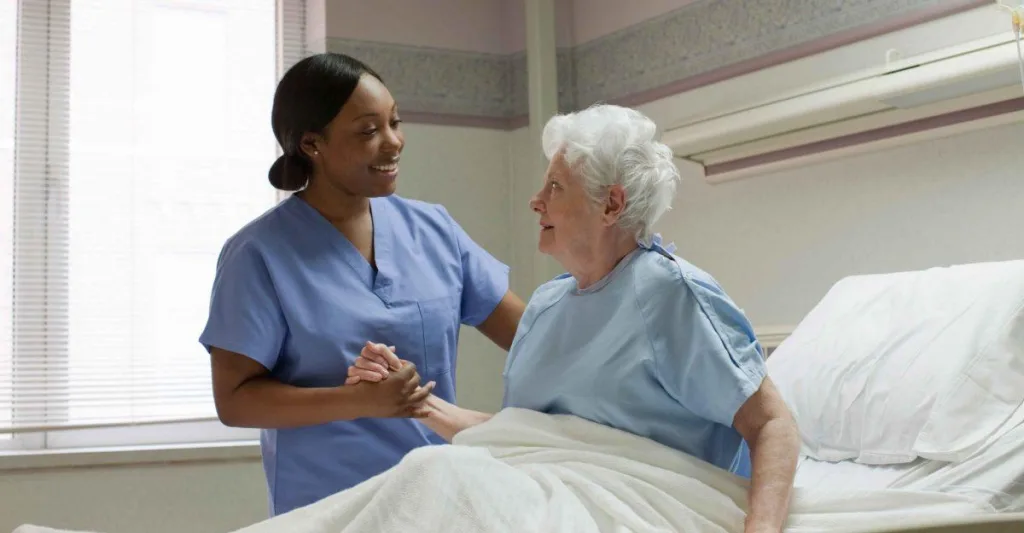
769 429
447 419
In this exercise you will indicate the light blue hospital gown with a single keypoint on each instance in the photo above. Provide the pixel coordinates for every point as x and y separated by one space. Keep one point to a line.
292 293
656 348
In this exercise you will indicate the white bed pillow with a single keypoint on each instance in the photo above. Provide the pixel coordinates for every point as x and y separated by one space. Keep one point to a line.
888 368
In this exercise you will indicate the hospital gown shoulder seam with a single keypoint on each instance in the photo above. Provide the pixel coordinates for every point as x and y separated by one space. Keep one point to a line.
643 321
543 299
656 275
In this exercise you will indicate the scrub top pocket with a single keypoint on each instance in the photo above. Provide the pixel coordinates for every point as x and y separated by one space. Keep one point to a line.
439 319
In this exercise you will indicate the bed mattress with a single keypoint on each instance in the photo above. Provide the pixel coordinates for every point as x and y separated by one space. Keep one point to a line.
995 473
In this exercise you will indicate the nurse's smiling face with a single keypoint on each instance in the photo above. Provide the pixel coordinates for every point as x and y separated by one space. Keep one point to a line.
359 150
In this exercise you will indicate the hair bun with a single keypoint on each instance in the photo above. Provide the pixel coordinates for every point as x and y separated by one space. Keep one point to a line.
288 173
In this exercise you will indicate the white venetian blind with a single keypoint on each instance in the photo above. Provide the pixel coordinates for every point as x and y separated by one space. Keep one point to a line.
135 139
8 52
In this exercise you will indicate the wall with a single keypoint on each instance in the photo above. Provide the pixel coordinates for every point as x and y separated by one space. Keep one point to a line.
777 242
592 19
466 25
199 498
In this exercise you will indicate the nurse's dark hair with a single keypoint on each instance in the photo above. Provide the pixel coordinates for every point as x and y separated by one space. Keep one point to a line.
307 98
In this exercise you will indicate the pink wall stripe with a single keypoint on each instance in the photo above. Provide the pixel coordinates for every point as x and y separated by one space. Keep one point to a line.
465 121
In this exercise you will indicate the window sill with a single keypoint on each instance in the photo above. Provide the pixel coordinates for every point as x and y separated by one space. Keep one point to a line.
13 461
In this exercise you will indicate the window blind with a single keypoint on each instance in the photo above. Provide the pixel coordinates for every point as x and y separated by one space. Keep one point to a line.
135 139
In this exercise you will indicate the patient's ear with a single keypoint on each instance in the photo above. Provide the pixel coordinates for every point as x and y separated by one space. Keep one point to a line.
614 204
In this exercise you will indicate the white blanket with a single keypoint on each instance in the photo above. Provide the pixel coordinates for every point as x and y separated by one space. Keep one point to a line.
527 472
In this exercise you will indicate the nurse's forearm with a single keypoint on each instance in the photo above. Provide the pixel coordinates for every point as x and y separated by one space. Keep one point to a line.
265 403
447 419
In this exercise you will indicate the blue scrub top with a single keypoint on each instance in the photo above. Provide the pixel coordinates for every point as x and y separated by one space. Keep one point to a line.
656 349
294 294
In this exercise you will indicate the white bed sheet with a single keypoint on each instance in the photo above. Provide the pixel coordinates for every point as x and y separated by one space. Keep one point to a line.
996 472
848 475
524 471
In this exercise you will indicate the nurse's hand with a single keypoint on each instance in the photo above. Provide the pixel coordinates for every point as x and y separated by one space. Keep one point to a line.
398 395
374 363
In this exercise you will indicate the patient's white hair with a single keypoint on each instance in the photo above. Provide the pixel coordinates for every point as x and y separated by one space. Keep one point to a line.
610 145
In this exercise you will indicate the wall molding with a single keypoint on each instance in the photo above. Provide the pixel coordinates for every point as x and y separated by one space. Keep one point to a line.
695 45
772 336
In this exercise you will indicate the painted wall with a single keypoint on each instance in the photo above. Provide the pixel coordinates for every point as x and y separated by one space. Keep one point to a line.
199 498
592 19
466 25
778 241
486 26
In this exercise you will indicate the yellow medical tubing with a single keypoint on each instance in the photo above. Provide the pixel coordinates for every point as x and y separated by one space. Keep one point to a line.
1017 19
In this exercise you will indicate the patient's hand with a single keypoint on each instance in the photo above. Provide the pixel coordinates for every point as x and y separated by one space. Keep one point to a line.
374 363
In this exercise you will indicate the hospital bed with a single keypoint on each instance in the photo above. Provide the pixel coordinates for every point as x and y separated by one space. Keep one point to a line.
934 356
909 383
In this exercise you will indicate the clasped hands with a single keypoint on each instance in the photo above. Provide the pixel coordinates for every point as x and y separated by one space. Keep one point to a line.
392 385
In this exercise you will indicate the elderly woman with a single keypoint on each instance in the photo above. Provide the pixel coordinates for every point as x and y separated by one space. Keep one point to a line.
634 337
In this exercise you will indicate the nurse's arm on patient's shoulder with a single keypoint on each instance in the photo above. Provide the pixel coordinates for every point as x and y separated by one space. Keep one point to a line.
247 396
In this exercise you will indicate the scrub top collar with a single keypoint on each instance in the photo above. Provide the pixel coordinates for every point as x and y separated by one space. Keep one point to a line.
380 281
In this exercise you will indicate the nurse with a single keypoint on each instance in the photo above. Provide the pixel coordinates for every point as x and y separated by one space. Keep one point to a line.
342 264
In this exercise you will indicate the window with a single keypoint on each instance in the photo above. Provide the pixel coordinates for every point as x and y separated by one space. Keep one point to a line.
136 139
8 51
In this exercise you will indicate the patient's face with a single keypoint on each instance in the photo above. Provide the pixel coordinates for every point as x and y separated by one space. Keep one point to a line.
569 220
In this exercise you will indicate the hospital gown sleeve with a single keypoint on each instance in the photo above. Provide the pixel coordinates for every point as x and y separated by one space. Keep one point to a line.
705 351
484 278
245 316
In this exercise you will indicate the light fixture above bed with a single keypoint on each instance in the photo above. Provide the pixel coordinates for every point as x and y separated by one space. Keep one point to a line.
952 90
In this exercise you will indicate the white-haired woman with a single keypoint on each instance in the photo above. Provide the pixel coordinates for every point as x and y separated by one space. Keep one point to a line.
634 337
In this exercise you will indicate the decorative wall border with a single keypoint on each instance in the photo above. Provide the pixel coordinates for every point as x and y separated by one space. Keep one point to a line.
438 85
697 44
